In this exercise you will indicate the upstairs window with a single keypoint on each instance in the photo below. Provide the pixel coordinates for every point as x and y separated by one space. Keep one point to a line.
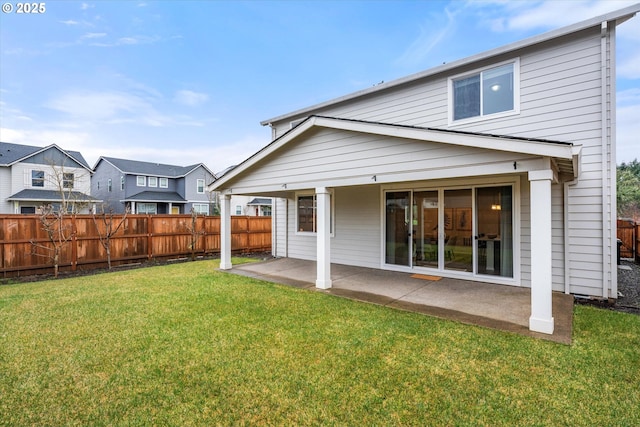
164 183
153 181
122 182
37 178
109 185
141 181
200 186
485 92
67 180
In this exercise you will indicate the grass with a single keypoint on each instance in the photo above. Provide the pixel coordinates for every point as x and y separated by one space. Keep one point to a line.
186 345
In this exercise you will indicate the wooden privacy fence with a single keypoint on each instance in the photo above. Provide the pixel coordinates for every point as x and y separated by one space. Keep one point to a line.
24 244
629 234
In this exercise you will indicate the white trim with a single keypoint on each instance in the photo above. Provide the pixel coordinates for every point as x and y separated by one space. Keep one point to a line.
482 116
198 181
144 181
155 179
166 182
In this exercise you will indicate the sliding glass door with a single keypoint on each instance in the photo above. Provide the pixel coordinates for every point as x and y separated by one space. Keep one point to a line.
495 231
468 230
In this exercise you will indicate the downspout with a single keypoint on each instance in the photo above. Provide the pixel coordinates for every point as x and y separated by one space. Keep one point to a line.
607 184
567 276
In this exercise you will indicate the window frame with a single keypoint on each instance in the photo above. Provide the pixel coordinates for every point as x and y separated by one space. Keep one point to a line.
479 71
197 207
68 180
139 179
40 180
163 182
198 181
153 179
155 208
122 183
315 210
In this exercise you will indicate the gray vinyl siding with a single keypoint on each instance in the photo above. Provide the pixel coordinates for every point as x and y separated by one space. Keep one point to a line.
356 238
5 190
560 99
328 155
99 188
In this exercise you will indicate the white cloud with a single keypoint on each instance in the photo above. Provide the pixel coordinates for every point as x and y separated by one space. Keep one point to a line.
628 125
434 30
190 98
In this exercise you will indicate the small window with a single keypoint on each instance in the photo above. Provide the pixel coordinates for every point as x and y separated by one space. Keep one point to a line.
307 213
201 208
153 181
109 185
238 210
98 184
122 183
141 181
146 208
37 178
200 186
164 183
486 92
67 180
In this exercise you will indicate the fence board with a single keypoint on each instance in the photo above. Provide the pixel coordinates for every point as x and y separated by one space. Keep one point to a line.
23 241
628 235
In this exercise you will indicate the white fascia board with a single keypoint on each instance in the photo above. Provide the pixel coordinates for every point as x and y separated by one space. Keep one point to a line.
619 16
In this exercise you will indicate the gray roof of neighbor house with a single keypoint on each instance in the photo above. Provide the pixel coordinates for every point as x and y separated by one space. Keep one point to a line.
156 196
12 153
51 196
135 167
618 16
260 201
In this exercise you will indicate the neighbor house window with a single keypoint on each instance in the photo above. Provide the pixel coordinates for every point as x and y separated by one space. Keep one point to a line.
164 183
200 185
146 208
67 180
109 185
37 178
306 208
238 210
141 181
486 92
201 208
122 183
153 181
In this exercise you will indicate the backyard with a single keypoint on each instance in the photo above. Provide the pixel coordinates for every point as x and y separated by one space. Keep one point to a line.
184 344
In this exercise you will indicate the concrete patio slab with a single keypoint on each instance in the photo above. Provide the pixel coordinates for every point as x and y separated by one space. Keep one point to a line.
500 307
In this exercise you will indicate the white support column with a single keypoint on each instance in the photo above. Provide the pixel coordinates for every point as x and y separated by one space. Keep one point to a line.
323 236
541 319
225 231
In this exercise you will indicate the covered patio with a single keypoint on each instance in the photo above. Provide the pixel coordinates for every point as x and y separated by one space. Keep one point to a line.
493 306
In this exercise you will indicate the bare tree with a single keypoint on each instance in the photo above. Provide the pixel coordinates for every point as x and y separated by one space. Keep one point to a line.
195 232
53 216
59 233
110 226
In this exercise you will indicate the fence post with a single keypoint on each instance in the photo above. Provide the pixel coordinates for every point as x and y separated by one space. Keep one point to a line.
74 244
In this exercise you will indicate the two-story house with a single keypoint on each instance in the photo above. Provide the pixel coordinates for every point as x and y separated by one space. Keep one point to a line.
32 177
499 168
152 188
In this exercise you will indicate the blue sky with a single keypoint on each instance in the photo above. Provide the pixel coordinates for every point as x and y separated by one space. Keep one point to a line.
184 82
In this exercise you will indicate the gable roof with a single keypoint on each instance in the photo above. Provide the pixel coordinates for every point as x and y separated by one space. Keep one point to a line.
14 153
565 154
135 167
618 17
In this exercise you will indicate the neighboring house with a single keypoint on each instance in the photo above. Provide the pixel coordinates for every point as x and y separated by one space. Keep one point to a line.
32 177
497 168
152 188
250 206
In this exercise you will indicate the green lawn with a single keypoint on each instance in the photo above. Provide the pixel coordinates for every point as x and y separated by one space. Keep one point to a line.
186 345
